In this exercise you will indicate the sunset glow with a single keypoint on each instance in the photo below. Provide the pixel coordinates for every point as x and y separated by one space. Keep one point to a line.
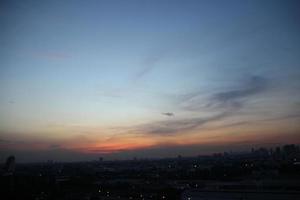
147 78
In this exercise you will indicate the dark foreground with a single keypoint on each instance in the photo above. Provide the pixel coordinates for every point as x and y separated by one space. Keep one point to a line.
261 174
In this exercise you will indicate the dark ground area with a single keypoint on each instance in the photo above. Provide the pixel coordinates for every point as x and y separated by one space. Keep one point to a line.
259 174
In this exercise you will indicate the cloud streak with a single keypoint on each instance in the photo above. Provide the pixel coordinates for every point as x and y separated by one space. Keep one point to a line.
54 146
148 64
220 105
255 85
53 55
169 114
178 126
229 100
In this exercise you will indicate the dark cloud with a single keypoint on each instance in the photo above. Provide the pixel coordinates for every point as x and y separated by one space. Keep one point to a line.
255 85
54 146
227 100
10 142
4 141
169 114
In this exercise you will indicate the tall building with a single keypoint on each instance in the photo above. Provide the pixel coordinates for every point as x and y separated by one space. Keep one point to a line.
10 165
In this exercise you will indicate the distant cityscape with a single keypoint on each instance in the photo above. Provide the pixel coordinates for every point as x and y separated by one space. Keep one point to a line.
262 173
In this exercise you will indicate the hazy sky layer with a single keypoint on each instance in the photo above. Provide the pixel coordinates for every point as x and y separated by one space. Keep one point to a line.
79 79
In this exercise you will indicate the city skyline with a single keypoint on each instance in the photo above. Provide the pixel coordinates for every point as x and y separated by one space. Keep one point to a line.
120 79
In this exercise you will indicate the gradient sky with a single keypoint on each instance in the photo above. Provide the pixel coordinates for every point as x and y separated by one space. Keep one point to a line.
81 79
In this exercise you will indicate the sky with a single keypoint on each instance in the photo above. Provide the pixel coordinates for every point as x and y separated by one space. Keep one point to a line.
124 79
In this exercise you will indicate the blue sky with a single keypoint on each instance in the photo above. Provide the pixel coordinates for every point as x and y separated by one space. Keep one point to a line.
85 75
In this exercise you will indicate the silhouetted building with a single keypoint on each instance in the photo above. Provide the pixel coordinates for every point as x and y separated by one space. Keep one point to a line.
9 167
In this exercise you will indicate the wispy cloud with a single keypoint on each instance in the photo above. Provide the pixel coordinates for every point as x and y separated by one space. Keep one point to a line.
52 55
5 141
253 86
147 65
20 144
231 99
178 126
219 105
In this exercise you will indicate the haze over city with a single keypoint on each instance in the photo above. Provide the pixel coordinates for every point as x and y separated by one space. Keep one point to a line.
124 79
